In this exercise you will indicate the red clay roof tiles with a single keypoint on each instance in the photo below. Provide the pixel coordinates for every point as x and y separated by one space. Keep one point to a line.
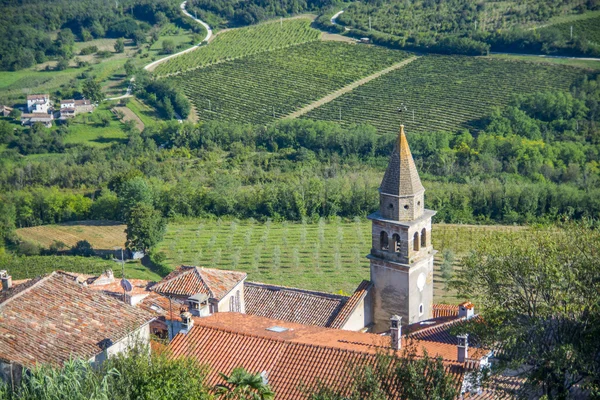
301 354
188 281
48 320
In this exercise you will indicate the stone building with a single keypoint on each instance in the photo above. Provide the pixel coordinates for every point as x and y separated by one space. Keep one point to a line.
401 255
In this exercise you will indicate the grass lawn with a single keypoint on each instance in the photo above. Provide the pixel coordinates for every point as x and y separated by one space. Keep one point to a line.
146 113
83 129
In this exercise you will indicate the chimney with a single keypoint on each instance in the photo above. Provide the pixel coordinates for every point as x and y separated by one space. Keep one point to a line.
466 309
6 280
396 332
186 322
463 347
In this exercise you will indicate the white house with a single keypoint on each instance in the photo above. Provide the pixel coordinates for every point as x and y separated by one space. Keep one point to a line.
38 103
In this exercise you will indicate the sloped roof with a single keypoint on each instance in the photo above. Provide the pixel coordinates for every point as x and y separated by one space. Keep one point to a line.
301 354
445 310
188 281
353 301
291 304
401 177
38 96
51 319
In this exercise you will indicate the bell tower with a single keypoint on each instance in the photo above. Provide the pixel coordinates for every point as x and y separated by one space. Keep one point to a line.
401 256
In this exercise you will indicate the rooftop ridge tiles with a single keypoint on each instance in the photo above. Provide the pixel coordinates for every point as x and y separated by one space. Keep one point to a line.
438 326
23 288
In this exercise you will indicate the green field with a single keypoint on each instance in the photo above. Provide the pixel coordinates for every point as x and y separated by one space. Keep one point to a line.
241 42
30 267
84 129
260 89
591 65
445 92
327 256
146 113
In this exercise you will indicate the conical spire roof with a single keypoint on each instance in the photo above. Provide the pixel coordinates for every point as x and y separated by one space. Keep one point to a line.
401 177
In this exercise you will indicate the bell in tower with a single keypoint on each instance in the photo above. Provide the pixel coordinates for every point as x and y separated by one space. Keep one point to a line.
401 256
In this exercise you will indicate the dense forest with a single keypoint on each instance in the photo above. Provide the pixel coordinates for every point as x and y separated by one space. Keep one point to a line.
35 31
230 13
535 160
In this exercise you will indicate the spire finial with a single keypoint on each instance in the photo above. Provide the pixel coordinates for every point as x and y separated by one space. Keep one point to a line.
400 135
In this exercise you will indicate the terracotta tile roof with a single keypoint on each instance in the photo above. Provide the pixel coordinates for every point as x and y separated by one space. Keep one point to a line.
439 330
445 310
188 281
37 116
301 354
48 320
353 301
82 103
291 304
38 96
67 101
401 177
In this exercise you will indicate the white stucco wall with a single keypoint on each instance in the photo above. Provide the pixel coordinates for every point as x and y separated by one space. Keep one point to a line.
140 336
224 303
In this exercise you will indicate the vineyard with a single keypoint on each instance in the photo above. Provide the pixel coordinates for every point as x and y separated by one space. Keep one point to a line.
259 89
328 256
444 93
586 29
242 42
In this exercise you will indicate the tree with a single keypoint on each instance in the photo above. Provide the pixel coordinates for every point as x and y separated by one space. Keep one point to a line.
168 46
241 384
120 45
145 227
62 64
539 293
133 192
92 90
82 248
130 68
15 113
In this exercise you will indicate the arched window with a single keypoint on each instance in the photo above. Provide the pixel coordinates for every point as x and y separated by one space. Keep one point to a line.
383 240
396 242
423 238
416 242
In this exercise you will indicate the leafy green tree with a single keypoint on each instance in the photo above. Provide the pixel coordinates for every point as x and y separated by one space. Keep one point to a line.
145 227
92 91
62 64
120 45
242 385
133 192
82 248
130 68
8 214
168 46
15 113
540 296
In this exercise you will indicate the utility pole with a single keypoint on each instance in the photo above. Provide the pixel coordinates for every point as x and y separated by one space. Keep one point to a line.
273 111
571 32
208 104
369 22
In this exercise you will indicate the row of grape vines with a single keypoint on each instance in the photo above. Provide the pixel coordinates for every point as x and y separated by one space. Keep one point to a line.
442 93
260 89
585 29
242 42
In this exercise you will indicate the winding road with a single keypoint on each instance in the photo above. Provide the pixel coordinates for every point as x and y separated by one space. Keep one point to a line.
150 67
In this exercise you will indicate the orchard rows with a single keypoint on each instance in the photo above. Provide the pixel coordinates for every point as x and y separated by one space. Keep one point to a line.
445 93
242 42
260 89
